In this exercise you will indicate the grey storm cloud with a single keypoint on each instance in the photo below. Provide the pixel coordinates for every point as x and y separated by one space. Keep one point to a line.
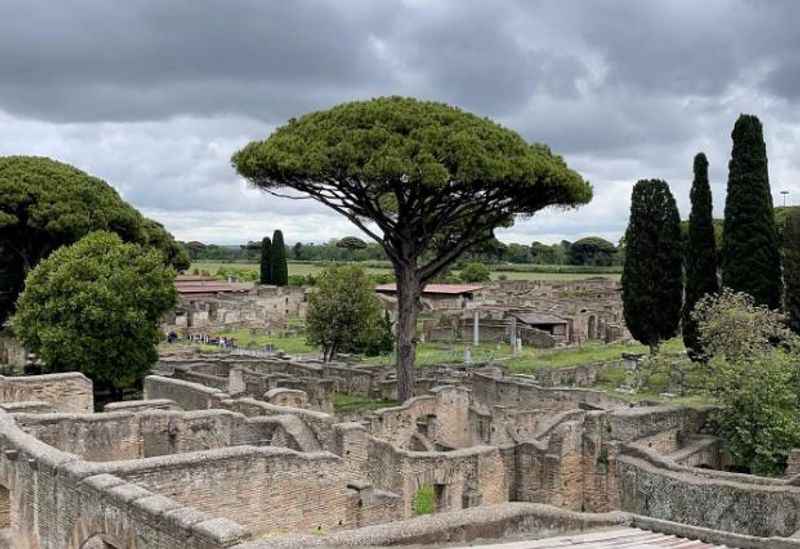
155 96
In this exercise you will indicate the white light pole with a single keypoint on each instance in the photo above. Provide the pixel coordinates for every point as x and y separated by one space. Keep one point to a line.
785 194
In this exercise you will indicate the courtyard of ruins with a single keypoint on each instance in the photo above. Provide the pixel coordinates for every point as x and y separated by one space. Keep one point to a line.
246 448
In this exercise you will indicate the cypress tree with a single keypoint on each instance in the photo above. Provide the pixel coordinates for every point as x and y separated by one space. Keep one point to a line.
280 269
700 255
791 268
652 278
751 261
266 260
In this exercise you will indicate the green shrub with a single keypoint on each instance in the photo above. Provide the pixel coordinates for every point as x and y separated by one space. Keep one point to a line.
424 502
475 272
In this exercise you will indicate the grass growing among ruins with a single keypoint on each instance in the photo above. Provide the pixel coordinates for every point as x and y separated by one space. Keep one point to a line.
292 344
424 502
529 359
588 353
347 403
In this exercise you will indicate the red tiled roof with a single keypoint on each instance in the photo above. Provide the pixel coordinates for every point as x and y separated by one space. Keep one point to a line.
450 289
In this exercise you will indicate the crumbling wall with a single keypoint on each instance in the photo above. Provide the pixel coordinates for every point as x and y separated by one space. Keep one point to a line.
57 502
656 487
264 489
69 393
124 436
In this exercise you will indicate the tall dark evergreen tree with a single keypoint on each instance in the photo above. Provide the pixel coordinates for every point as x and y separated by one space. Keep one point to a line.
700 254
280 269
791 267
751 261
652 278
266 260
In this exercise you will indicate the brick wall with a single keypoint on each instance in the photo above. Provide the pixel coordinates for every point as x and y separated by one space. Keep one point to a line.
69 392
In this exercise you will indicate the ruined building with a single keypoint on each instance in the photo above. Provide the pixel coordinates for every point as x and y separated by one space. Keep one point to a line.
244 452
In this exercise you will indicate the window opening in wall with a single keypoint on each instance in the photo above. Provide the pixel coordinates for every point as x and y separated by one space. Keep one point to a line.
440 490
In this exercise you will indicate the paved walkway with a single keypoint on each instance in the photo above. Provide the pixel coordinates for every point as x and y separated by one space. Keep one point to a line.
625 538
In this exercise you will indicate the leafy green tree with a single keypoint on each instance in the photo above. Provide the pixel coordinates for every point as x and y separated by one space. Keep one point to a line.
343 311
94 307
652 278
280 268
756 382
351 243
266 261
542 254
433 180
46 204
175 253
297 250
195 249
592 250
791 268
700 254
750 258
517 253
475 272
378 339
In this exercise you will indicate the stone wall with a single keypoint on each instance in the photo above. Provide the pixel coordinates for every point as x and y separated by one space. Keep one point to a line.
266 490
55 502
124 436
69 392
656 487
266 307
12 353
490 391
480 475
584 375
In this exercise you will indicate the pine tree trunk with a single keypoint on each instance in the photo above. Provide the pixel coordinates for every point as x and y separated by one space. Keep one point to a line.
408 291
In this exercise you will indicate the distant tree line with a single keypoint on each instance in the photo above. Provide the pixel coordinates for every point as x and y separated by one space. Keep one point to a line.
590 251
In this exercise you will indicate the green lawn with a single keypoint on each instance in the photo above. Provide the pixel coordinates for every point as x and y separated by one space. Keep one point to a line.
529 359
347 403
305 269
293 344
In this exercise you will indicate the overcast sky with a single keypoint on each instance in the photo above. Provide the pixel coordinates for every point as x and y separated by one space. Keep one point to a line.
154 96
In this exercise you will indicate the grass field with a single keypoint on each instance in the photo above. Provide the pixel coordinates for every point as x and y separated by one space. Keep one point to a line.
313 268
529 359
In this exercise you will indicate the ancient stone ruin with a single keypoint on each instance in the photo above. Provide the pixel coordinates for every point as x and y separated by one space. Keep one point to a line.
249 452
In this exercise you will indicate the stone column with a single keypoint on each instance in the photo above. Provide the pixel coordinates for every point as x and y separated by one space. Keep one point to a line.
476 328
513 336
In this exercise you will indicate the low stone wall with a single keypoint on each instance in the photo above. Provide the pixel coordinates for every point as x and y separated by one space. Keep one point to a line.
657 487
124 436
266 490
480 475
489 391
186 394
56 502
584 375
501 521
68 393
12 353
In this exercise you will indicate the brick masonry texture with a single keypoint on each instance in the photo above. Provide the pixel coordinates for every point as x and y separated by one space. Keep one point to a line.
199 462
